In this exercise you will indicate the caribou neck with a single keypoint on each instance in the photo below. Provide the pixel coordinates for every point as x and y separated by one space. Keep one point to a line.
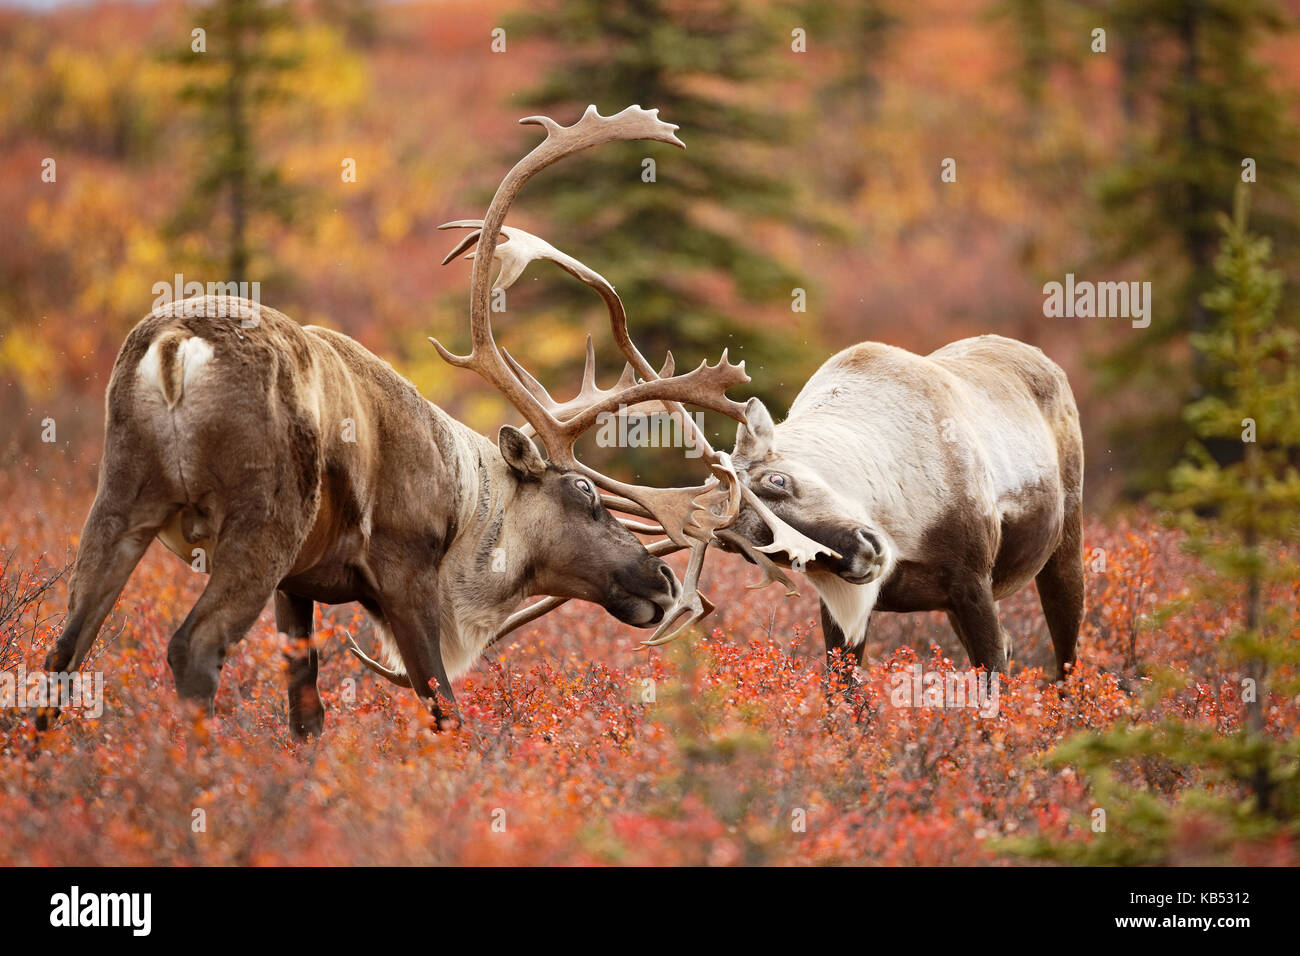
486 572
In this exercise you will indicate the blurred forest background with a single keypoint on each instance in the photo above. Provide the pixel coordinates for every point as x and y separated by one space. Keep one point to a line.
815 132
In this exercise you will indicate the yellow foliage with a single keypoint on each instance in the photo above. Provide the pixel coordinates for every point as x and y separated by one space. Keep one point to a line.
486 412
329 78
394 224
27 359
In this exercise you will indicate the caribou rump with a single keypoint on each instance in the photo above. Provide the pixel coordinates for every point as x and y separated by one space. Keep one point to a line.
945 482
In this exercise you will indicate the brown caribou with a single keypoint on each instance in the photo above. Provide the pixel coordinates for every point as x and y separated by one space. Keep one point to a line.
945 482
289 461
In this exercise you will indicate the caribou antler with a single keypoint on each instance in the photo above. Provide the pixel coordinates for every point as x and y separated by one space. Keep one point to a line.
579 413
689 517
485 357
396 677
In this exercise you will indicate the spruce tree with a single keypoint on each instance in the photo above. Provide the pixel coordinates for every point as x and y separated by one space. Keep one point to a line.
679 248
232 78
1243 519
1205 116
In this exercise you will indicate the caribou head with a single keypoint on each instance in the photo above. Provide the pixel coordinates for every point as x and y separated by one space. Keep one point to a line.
587 553
794 489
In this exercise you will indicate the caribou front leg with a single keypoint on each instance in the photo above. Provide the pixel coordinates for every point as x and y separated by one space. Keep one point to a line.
974 617
416 631
841 659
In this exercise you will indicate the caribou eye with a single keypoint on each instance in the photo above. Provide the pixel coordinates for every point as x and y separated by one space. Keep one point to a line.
585 487
778 480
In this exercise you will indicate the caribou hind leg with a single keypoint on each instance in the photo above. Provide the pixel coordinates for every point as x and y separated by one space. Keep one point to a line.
112 544
253 554
113 541
293 617
1060 591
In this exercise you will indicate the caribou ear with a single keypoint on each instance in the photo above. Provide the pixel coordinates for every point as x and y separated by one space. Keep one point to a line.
520 453
754 438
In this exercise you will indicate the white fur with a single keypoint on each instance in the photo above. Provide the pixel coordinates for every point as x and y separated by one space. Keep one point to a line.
149 369
464 640
850 604
191 356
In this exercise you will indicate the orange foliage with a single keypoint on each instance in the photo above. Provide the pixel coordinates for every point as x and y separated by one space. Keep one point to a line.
740 757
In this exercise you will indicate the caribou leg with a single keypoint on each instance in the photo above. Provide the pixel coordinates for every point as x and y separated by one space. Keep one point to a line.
1060 591
293 617
841 659
252 555
112 544
974 617
415 630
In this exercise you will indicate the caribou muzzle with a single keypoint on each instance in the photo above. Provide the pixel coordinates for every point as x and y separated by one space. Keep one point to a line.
643 592
861 551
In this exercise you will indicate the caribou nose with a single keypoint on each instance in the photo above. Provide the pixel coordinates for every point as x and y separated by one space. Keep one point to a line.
869 540
667 573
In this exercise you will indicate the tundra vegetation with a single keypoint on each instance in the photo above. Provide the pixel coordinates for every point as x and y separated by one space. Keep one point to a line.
722 749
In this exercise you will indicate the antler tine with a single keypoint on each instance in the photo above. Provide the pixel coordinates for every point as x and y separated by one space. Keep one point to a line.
772 573
689 608
588 394
704 386
640 527
396 677
466 242
625 505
